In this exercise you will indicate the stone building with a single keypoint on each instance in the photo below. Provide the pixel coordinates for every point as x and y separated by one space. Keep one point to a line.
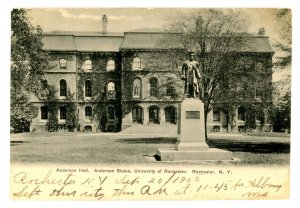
120 80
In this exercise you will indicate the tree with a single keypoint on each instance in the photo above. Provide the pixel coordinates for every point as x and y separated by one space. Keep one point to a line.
217 37
282 119
282 63
28 62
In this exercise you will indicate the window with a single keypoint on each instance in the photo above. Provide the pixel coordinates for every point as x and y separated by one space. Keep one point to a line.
137 115
170 90
136 65
62 63
88 113
44 112
44 84
154 87
154 114
259 90
111 93
137 88
259 66
87 65
63 88
88 88
111 113
216 114
62 113
110 66
170 114
241 113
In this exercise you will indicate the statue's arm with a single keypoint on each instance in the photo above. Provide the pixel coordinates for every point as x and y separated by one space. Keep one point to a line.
198 74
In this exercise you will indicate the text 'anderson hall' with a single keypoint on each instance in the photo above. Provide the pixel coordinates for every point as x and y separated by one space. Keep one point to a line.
108 82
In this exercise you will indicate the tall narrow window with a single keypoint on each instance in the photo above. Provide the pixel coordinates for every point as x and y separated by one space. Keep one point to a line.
88 88
44 84
241 113
137 88
87 65
44 112
137 115
170 114
154 87
110 65
111 93
62 113
136 65
62 63
111 113
216 114
88 113
63 88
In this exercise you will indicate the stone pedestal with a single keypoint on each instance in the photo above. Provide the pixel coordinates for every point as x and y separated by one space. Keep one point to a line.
191 144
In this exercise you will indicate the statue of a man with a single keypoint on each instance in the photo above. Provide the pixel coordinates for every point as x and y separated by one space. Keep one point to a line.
191 74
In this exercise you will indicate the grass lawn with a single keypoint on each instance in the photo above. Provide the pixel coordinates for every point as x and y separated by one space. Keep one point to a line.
110 150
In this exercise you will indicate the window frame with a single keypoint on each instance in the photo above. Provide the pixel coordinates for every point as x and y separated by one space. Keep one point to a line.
88 89
108 64
85 64
88 113
62 113
137 65
63 88
154 89
44 84
139 94
108 113
43 113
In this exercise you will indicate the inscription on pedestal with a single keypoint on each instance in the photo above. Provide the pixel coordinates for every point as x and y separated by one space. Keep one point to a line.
192 114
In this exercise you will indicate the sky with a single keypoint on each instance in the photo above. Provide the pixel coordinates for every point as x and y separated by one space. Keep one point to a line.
126 19
120 20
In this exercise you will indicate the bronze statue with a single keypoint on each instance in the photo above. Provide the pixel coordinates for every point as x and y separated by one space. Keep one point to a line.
191 74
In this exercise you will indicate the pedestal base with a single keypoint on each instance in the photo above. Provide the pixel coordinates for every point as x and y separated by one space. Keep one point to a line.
205 154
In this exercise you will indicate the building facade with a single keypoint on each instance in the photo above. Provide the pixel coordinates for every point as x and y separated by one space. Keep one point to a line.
113 81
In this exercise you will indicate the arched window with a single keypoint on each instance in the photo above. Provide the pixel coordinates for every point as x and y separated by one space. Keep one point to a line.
63 88
111 93
44 112
153 87
62 113
216 114
136 65
110 65
154 114
88 113
170 114
88 88
241 113
87 65
62 63
137 115
137 87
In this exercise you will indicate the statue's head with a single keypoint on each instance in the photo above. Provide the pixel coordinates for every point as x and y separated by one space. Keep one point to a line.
191 55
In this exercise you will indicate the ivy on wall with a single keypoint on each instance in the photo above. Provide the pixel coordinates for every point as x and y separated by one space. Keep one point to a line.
53 104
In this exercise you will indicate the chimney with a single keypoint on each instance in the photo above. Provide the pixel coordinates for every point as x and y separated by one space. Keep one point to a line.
104 24
261 31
